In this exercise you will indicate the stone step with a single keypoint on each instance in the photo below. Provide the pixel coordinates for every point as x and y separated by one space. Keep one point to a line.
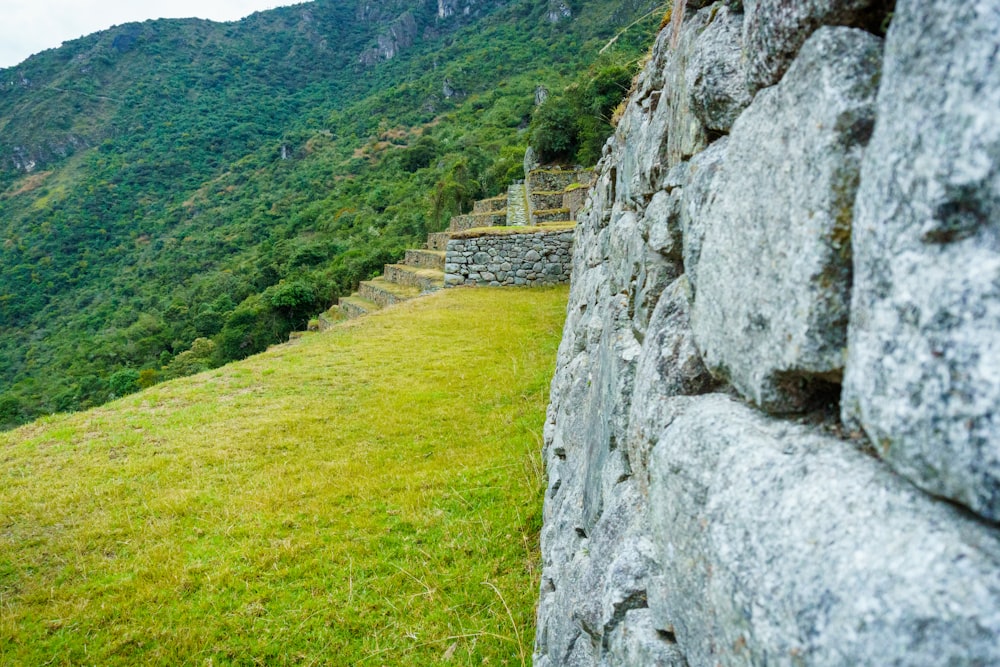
517 205
438 241
355 306
473 220
331 317
424 279
385 293
425 259
550 215
491 205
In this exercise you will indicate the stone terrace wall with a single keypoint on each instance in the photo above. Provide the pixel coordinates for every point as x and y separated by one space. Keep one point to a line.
774 431
529 259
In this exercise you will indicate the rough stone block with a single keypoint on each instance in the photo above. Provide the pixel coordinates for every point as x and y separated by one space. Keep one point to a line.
773 276
658 128
714 78
697 191
923 371
781 546
637 642
669 365
662 221
775 30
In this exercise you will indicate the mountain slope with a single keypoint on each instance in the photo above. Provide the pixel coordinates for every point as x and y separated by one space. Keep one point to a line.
227 181
368 495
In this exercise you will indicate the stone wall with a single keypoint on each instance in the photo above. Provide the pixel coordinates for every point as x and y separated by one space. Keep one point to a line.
556 180
525 259
774 429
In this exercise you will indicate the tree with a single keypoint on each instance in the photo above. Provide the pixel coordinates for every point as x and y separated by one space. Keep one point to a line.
124 382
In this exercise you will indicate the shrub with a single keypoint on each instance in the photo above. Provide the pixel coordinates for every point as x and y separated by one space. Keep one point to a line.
124 382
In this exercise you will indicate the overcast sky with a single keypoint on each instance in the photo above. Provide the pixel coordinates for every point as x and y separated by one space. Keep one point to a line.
30 26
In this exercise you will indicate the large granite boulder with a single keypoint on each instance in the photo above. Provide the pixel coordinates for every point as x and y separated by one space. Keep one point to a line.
782 546
775 30
773 273
923 373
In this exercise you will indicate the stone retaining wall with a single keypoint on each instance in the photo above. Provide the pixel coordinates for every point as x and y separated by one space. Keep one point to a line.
529 259
774 428
461 223
556 180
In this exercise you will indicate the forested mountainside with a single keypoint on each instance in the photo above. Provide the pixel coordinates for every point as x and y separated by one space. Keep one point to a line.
178 181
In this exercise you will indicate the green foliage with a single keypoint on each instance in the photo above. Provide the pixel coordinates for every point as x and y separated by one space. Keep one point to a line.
200 357
228 181
573 126
124 382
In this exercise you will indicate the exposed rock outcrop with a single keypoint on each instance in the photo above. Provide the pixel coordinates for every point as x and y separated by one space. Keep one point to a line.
399 35
750 246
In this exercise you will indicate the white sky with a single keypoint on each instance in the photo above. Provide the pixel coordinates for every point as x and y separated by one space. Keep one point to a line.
30 26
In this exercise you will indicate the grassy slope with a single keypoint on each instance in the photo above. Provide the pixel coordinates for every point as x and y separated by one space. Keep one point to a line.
369 495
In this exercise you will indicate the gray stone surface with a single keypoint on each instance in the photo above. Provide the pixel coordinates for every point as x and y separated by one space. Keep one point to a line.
685 133
510 259
923 374
714 77
663 226
669 365
659 129
773 275
596 558
786 547
774 30
642 644
698 191
638 148
689 529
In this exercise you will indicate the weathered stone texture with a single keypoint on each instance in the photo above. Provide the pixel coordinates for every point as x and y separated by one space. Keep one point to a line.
773 276
698 191
641 644
923 374
669 365
525 260
685 527
659 129
714 78
786 547
594 542
775 30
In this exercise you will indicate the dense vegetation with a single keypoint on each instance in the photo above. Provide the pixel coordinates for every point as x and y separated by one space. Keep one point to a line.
198 190
343 500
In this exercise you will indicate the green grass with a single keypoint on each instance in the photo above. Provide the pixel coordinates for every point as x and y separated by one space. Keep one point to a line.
370 495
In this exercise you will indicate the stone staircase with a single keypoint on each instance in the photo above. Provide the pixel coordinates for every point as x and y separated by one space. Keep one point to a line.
422 270
517 205
547 192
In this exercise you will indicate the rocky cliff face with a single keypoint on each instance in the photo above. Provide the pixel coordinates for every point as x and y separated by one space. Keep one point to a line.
774 433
